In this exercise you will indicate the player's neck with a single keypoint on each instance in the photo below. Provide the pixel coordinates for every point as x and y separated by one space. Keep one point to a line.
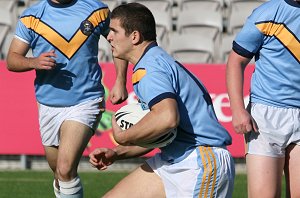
138 51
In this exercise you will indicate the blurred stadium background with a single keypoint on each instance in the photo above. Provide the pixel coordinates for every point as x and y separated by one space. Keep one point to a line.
195 32
203 29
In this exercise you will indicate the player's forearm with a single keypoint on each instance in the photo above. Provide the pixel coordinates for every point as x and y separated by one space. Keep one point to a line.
153 131
235 89
121 71
235 81
18 63
126 152
151 127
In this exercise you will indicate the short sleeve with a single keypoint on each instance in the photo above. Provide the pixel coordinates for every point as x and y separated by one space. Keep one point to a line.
249 40
23 33
155 87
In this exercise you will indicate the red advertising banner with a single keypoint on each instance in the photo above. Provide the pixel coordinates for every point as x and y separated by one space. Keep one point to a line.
19 130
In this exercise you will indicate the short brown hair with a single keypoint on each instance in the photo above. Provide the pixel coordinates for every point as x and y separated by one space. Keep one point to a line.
136 17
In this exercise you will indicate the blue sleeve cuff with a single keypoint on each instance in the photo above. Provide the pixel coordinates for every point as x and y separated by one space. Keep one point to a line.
242 51
160 98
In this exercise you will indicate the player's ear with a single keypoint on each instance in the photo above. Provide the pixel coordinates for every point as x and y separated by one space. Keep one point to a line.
136 37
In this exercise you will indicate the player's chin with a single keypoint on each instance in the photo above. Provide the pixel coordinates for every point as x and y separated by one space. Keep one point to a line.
115 55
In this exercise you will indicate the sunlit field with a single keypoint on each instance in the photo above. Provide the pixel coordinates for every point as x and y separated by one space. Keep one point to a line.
38 184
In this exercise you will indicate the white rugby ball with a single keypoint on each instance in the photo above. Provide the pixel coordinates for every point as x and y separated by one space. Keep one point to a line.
130 114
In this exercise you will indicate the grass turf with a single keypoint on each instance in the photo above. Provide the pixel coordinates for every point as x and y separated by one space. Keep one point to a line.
38 184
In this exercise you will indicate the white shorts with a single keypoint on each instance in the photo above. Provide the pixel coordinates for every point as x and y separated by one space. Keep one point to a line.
51 118
206 172
278 128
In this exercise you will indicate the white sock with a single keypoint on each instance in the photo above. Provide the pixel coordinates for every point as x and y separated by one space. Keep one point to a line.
71 189
56 190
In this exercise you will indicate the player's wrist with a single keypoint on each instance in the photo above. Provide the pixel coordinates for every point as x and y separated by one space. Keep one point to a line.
115 154
121 81
30 63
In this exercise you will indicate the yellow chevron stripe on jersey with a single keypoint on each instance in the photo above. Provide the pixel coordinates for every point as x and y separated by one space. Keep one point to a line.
138 75
68 48
283 34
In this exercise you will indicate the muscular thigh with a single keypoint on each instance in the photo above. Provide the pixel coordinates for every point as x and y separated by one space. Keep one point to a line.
142 182
264 175
74 137
292 170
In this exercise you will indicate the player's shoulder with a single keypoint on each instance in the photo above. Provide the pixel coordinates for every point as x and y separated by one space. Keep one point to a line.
157 59
266 10
34 8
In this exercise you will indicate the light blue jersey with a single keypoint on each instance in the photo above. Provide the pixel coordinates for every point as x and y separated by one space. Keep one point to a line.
73 31
158 76
272 34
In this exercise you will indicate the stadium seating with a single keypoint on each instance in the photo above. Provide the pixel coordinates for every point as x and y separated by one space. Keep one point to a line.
226 46
8 12
213 5
5 44
31 2
215 20
162 12
159 5
163 27
111 3
151 2
191 48
205 23
8 18
239 12
4 29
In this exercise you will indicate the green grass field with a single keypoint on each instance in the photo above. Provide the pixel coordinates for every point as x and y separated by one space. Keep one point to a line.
38 184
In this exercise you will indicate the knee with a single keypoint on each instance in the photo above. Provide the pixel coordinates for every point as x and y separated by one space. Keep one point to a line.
65 171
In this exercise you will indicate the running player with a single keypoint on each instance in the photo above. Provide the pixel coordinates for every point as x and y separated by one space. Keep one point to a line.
64 35
272 124
196 163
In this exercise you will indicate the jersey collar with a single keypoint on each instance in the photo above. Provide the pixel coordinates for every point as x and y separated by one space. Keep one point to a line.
151 45
57 5
293 3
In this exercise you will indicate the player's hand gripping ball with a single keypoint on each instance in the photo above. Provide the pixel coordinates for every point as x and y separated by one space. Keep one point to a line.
130 114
